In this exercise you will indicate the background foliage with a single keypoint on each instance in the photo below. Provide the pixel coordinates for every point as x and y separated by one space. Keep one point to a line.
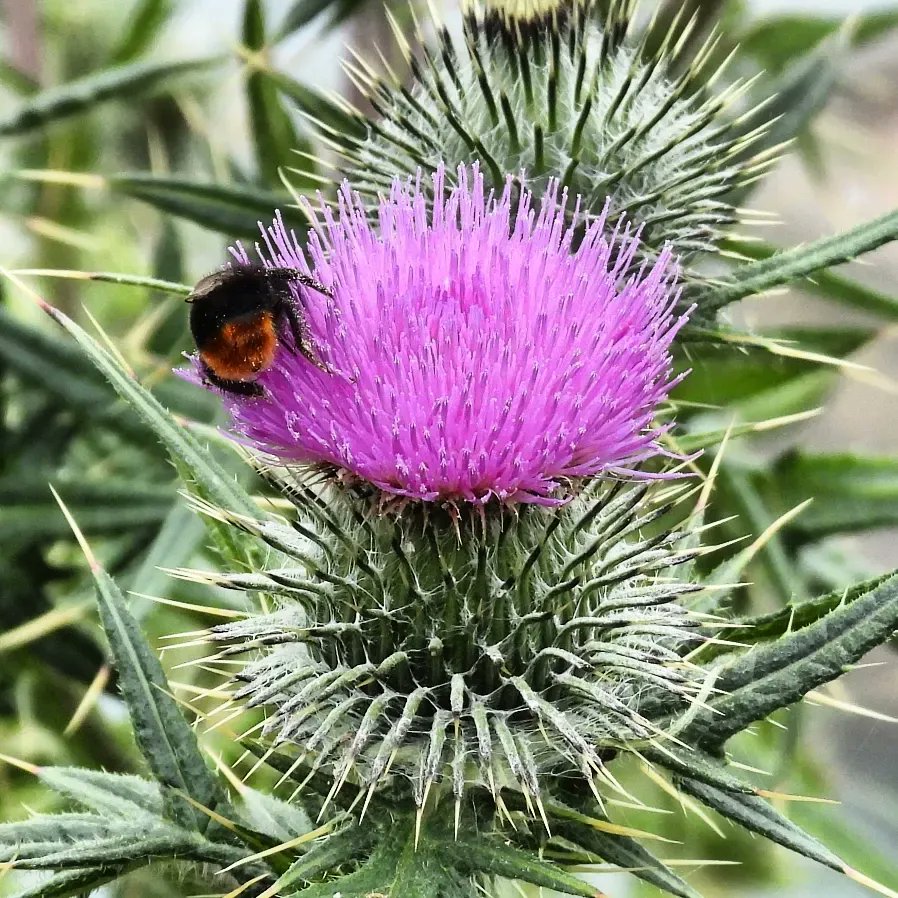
129 146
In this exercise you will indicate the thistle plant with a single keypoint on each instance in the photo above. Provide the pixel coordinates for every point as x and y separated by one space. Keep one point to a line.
479 612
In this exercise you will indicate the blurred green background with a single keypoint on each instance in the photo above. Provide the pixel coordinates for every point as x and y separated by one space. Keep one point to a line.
151 166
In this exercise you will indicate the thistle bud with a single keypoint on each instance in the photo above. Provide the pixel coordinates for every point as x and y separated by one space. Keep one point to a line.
558 90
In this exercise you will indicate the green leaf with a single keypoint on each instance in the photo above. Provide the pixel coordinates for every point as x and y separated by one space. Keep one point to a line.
163 736
699 766
179 538
72 883
144 25
422 870
827 284
270 125
850 293
200 469
232 210
851 492
757 815
739 491
626 853
337 850
111 794
801 262
720 377
852 834
754 385
319 107
777 40
52 363
278 819
705 438
835 564
800 92
50 832
109 507
26 524
83 94
777 674
133 844
490 857
304 12
401 866
794 616
61 371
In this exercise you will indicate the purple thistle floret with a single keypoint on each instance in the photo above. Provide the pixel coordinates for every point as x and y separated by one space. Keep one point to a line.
474 349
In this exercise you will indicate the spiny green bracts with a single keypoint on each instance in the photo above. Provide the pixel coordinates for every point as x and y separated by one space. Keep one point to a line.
579 96
486 646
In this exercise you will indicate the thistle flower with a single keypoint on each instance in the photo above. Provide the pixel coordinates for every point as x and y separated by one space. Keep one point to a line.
482 348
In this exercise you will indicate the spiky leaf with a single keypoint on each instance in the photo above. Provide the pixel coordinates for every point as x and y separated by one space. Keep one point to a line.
851 492
493 858
82 94
400 866
801 262
106 793
793 616
131 844
759 816
72 883
780 673
199 468
231 209
166 741
828 284
626 853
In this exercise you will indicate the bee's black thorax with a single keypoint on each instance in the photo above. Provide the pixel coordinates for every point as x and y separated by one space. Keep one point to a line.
235 294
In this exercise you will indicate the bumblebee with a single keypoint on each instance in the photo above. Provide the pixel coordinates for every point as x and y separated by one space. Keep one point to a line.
236 315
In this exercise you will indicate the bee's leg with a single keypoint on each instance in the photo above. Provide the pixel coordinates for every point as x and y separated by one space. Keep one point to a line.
304 279
237 387
302 336
312 284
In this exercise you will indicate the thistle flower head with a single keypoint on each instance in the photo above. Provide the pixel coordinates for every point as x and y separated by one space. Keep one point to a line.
476 347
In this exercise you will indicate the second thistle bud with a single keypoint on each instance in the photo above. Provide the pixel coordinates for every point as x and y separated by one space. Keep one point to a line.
571 91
